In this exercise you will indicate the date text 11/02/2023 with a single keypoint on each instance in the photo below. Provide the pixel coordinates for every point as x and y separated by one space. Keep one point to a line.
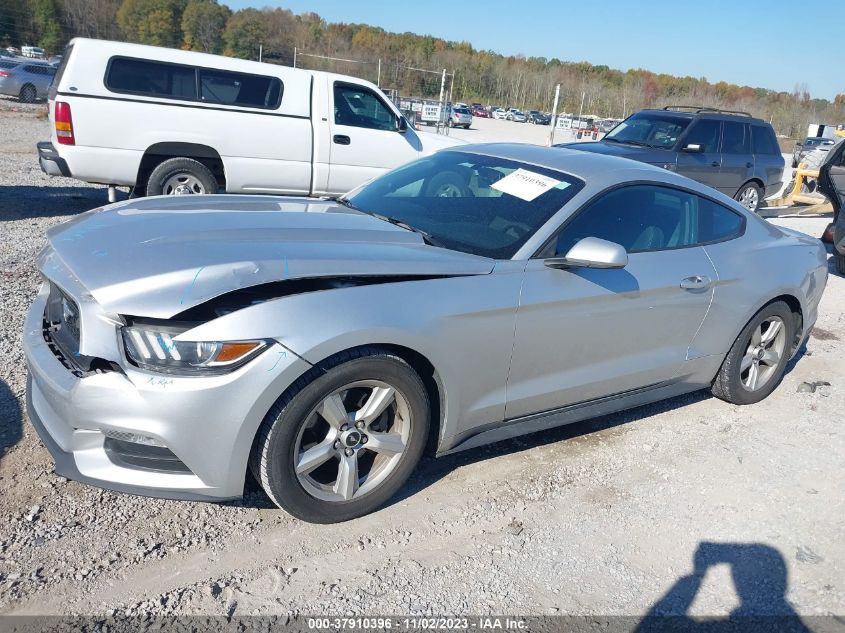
417 623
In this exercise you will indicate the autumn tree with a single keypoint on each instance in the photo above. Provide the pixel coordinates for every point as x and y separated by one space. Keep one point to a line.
156 22
245 31
46 26
203 23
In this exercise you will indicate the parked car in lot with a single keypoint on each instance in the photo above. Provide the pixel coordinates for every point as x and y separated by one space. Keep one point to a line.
499 113
460 116
732 152
202 123
516 115
832 185
474 295
538 118
808 145
24 79
480 111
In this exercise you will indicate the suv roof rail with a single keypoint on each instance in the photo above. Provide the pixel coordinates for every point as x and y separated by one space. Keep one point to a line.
705 109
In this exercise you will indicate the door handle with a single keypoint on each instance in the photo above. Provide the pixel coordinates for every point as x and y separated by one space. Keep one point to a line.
696 282
715 163
749 165
341 139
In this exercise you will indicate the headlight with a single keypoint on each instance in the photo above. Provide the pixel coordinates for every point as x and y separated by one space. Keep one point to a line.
153 347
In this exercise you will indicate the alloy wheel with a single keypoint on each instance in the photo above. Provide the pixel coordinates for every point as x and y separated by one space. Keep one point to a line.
352 441
749 198
763 353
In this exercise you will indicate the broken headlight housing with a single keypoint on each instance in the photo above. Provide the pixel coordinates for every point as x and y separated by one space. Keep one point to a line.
154 347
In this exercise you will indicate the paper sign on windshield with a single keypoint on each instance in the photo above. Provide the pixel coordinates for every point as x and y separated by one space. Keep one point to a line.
525 184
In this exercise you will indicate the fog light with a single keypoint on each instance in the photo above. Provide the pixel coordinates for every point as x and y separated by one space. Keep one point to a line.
133 438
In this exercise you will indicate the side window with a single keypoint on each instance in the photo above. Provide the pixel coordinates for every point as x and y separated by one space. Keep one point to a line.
764 141
717 223
704 132
644 218
359 107
251 91
158 79
736 138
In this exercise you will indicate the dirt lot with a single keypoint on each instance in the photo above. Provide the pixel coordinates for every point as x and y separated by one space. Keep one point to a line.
602 518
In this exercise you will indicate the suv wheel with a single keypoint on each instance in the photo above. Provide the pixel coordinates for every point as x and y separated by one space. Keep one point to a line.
749 196
181 176
346 437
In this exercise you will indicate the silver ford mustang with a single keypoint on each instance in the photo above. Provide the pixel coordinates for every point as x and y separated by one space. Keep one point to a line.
481 293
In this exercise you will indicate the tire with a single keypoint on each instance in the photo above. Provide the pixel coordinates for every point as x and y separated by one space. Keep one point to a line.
292 421
839 263
28 94
750 195
180 176
732 382
446 184
794 163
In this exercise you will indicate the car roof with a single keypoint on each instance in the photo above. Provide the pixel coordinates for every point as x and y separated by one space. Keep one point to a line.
705 114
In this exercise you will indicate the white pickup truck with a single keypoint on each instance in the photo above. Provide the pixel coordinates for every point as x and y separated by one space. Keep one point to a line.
165 121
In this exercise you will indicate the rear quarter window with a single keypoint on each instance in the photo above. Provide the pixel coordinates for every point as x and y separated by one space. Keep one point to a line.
250 91
717 223
764 141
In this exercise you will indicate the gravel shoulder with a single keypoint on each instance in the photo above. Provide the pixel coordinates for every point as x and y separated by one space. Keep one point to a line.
603 517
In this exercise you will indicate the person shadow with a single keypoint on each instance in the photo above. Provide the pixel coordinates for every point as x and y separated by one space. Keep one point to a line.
11 419
760 578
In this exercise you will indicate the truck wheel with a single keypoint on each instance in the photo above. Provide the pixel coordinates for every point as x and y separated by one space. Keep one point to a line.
749 196
28 94
839 263
181 176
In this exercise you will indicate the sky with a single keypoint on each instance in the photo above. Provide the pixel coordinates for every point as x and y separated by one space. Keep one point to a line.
759 43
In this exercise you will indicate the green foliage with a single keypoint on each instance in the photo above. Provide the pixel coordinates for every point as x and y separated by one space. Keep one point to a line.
47 30
203 23
156 22
245 31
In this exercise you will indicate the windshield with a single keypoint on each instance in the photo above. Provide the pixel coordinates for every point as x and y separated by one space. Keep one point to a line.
651 129
462 110
470 203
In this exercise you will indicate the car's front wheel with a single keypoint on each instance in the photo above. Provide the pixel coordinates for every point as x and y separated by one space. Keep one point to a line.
756 362
750 195
346 437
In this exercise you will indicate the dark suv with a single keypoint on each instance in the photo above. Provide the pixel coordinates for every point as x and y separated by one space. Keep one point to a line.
730 151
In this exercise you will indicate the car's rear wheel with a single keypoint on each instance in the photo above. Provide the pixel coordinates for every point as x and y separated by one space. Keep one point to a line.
181 176
28 94
750 195
755 364
346 438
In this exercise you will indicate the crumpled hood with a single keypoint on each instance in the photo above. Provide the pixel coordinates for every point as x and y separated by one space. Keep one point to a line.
157 257
634 152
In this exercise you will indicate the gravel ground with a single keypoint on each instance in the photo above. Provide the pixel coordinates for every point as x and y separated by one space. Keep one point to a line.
605 517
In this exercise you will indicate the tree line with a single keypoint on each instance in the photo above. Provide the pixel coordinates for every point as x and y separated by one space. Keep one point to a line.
396 59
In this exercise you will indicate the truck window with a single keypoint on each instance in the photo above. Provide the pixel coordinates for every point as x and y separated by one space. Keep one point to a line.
359 107
251 91
155 79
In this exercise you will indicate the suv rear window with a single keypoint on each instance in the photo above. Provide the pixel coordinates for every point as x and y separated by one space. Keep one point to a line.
764 140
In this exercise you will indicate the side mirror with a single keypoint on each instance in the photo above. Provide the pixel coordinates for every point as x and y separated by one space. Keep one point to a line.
591 252
402 125
693 148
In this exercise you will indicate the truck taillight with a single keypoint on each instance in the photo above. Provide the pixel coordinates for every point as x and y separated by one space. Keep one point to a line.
64 123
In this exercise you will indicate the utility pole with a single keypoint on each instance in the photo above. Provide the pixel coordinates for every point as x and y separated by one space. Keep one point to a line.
442 111
378 80
294 56
554 116
260 51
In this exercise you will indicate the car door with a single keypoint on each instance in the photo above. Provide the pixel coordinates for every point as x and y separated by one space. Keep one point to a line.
832 178
700 157
366 139
737 158
585 333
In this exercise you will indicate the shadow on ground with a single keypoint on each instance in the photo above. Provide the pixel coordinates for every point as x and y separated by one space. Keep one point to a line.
21 202
11 419
760 581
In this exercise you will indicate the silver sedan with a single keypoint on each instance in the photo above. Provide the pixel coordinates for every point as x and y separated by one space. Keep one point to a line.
484 292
